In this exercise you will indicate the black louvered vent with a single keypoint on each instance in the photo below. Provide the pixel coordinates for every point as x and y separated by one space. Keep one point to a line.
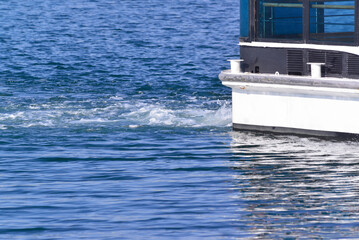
295 62
316 56
353 65
333 63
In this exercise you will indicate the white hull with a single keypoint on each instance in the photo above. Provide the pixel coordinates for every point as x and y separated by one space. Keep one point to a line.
293 108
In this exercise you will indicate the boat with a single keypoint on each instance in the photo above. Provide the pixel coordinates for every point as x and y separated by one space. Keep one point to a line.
298 70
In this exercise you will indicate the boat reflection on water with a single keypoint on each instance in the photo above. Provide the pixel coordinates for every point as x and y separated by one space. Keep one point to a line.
296 187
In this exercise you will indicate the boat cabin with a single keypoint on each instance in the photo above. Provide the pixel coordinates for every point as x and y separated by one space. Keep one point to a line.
286 36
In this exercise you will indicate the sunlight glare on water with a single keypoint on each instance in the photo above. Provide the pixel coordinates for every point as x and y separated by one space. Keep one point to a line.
297 187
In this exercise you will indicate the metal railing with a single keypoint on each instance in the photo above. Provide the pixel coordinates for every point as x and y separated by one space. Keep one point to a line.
300 5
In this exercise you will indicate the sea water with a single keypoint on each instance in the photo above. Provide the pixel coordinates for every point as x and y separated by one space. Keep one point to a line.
114 125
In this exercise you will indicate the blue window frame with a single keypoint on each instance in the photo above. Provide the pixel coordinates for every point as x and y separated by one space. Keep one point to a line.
280 19
332 21
317 21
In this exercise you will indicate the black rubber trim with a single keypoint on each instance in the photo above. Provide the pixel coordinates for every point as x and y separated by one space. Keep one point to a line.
295 131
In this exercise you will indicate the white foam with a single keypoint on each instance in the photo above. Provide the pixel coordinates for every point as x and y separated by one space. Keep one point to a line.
116 98
140 113
92 120
190 116
12 116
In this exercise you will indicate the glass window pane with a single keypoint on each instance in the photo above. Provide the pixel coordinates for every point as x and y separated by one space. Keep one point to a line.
244 18
332 21
282 19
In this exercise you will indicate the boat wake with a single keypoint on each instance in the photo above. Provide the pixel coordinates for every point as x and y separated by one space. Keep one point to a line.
159 115
119 112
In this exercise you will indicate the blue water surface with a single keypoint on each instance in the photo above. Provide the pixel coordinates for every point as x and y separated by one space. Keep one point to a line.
114 125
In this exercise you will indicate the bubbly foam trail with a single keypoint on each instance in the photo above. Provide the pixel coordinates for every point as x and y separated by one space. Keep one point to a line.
122 112
191 116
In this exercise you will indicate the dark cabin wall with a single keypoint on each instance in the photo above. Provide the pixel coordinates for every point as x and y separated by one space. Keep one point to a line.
294 61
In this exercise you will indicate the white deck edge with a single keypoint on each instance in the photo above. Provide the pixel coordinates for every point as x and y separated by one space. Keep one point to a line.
348 49
292 88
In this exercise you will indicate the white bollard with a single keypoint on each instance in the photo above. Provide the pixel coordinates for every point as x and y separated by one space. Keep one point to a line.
236 65
316 69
